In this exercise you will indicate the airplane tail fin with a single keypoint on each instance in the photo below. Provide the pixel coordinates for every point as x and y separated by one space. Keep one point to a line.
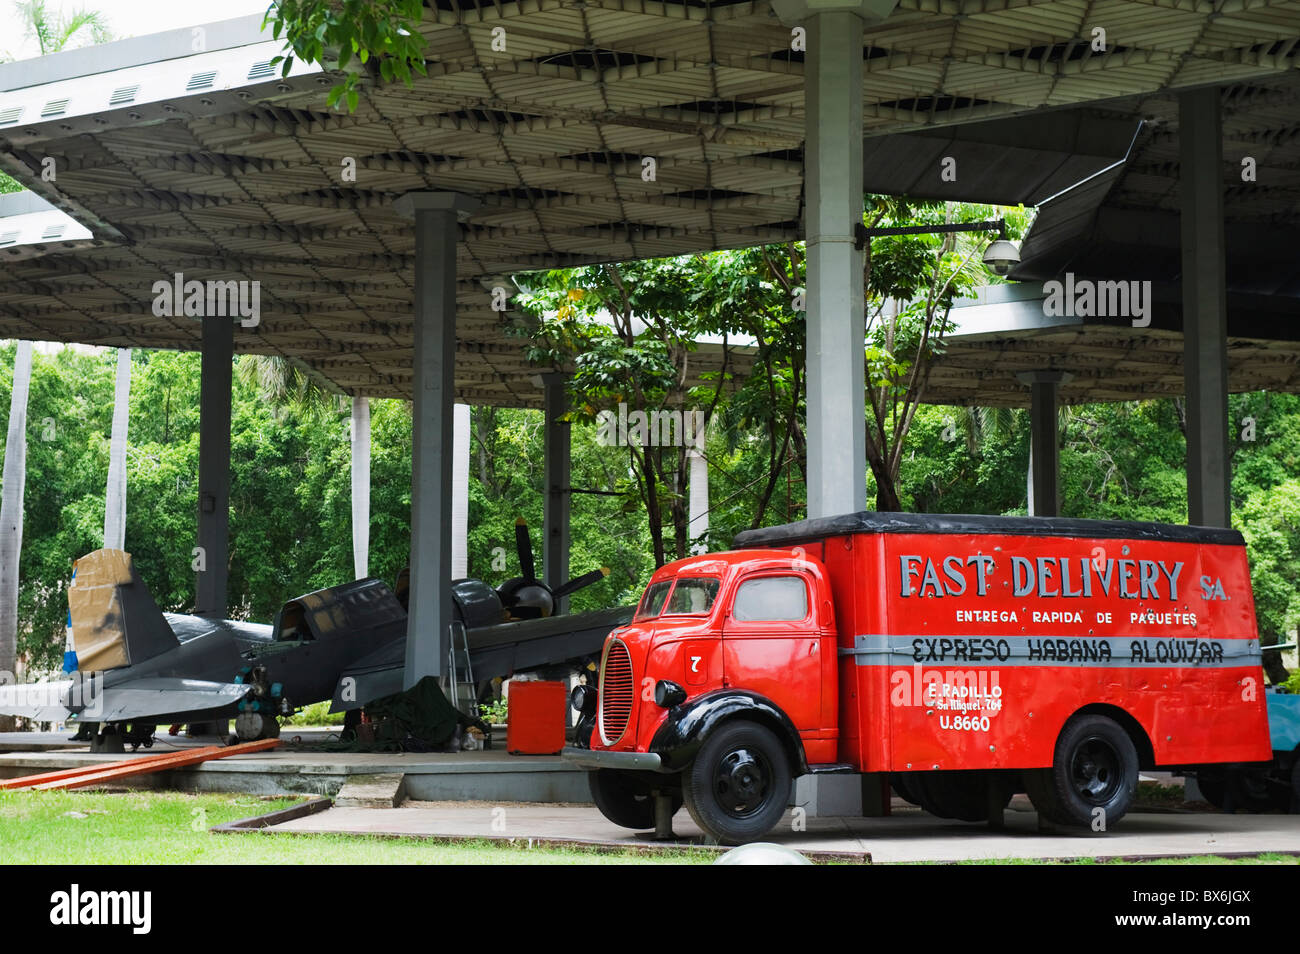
115 621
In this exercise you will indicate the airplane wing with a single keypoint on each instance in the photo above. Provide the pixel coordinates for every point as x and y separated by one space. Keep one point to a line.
42 701
163 699
498 650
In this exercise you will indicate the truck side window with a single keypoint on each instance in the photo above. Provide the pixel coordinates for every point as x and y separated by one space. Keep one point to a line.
771 598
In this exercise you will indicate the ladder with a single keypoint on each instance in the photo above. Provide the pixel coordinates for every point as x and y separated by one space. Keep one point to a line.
458 663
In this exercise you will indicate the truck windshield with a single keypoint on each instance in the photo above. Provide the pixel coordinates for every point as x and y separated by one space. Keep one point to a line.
693 596
653 600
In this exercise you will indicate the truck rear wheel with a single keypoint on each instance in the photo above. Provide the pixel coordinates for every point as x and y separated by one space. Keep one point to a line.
626 801
1093 778
738 787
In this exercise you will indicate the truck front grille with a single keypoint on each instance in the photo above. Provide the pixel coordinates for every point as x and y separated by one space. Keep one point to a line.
617 692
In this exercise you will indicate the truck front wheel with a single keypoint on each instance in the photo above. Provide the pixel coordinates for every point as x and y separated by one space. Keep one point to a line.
626 801
738 787
1093 778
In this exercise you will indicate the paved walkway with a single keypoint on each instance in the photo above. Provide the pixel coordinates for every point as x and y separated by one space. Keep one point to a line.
909 835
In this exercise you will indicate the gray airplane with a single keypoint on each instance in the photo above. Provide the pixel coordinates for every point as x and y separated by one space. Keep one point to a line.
140 667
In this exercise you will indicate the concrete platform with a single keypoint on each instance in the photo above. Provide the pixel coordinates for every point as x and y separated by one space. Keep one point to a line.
37 741
293 770
909 835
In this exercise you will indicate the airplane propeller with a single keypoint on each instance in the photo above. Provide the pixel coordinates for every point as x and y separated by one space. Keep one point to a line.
525 596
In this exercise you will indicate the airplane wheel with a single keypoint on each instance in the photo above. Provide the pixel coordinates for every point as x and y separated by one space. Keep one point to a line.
252 726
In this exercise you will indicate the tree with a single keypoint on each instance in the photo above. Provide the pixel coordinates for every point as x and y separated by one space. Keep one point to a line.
755 293
910 284
115 494
638 363
379 33
54 32
360 460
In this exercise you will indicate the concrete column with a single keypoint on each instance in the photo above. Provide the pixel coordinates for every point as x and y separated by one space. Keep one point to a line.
361 487
698 512
434 389
218 346
1205 308
555 523
1044 441
833 188
460 492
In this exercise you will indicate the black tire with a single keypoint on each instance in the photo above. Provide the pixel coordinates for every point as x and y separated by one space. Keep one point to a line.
1244 790
1094 766
962 795
1259 791
626 801
1214 789
738 787
1294 807
904 787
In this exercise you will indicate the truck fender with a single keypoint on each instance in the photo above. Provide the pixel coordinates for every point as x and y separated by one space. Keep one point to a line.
690 724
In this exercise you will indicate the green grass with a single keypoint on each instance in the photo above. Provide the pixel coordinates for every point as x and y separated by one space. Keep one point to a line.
137 828
1266 858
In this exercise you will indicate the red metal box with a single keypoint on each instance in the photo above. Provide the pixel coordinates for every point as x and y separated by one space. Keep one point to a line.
538 713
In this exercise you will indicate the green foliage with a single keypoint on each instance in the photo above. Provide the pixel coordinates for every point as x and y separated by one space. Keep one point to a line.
496 712
332 33
54 32
925 273
1270 522
316 714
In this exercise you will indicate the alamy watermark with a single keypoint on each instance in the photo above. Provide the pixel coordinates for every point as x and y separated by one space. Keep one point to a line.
1084 298
82 694
208 299
673 428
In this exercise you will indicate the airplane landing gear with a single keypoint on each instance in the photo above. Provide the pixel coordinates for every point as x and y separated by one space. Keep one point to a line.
251 726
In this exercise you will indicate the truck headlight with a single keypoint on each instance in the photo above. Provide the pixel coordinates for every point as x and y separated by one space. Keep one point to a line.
583 698
669 694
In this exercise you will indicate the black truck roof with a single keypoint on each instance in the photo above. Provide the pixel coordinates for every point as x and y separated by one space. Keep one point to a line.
870 521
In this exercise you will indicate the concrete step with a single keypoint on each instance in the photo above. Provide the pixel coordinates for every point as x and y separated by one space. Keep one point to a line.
372 791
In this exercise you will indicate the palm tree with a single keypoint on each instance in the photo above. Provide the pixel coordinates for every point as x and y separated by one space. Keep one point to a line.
11 513
54 32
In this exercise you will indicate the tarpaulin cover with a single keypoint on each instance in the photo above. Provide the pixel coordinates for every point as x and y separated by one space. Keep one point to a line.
417 719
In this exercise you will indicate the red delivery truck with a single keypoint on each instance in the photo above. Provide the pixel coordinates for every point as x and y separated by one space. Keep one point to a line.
960 658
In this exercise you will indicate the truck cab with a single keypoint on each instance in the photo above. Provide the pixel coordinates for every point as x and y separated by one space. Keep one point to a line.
714 637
